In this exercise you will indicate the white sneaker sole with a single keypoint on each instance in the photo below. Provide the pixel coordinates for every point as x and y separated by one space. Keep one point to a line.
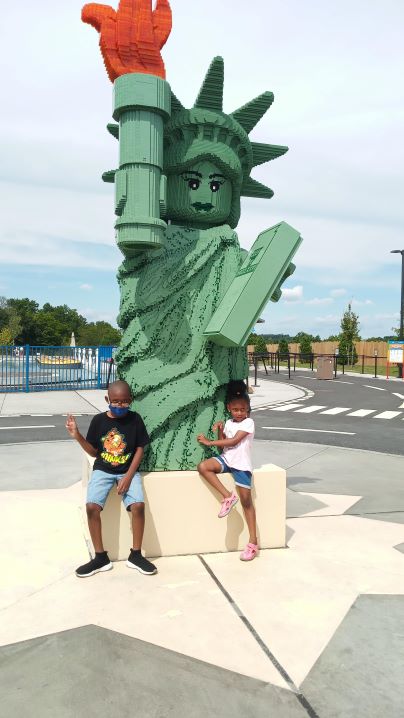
145 573
97 570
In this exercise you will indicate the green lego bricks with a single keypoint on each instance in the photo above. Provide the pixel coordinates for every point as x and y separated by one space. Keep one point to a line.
255 283
141 105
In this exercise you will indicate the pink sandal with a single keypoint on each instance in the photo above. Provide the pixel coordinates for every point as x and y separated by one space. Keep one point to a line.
250 552
227 505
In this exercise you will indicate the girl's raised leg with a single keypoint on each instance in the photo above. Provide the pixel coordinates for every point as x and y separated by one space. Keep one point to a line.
209 470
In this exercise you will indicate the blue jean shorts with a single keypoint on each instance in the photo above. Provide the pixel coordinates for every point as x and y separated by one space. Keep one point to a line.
101 484
241 478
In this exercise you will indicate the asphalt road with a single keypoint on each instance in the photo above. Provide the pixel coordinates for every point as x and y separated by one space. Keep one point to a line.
377 423
377 426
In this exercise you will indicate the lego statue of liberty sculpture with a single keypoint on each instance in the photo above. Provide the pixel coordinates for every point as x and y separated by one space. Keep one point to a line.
177 197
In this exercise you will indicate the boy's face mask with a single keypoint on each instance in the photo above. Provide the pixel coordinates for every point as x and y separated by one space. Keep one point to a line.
118 411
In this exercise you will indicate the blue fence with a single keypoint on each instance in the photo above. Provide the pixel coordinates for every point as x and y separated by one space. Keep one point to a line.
29 368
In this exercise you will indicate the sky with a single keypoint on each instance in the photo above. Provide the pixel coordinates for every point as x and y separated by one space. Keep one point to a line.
336 70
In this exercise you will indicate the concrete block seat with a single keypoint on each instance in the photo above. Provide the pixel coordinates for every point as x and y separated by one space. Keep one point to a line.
181 514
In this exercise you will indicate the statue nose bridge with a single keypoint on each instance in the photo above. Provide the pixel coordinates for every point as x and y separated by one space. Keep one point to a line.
204 192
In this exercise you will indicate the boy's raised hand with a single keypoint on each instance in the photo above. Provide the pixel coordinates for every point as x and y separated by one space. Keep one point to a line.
71 426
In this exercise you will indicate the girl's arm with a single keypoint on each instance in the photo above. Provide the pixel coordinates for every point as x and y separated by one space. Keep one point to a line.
222 443
219 428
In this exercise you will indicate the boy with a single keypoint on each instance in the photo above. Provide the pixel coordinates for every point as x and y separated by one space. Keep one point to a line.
116 438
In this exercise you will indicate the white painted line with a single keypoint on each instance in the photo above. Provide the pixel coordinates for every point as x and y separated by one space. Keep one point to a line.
339 381
336 410
31 426
400 396
310 409
318 431
10 416
41 415
285 407
378 388
362 412
72 414
387 415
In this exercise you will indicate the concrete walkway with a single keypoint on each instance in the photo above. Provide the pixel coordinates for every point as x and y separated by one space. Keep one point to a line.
92 401
311 630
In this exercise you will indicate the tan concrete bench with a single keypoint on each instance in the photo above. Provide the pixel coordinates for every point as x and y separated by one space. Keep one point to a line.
181 514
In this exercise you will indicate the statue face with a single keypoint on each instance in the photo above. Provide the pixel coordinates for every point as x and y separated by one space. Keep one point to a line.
201 195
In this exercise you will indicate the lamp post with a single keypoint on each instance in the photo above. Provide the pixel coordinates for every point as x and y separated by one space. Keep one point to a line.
401 335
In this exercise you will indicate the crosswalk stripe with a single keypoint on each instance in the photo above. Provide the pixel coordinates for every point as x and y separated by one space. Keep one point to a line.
310 409
285 407
387 415
362 412
336 410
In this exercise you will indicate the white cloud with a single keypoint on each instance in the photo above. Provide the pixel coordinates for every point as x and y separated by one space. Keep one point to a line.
328 319
338 292
86 287
361 303
317 300
94 315
395 315
292 294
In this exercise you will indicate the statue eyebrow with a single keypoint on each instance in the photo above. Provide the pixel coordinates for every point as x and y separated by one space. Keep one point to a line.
192 172
216 175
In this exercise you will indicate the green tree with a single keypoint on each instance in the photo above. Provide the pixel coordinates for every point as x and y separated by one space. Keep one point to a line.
283 346
305 349
26 310
54 325
98 334
348 336
252 339
260 345
3 312
9 320
6 338
332 338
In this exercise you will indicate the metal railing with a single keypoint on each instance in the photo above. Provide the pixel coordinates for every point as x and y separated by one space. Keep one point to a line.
293 361
50 368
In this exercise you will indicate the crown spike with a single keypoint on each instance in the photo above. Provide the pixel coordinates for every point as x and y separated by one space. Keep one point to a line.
264 153
252 188
176 105
249 115
211 93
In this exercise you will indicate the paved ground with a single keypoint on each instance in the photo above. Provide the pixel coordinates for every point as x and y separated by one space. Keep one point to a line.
353 411
311 630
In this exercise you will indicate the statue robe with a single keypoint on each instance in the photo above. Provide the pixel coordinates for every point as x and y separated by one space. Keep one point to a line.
177 376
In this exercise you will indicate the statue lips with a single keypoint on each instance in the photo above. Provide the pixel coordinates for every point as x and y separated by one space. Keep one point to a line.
202 207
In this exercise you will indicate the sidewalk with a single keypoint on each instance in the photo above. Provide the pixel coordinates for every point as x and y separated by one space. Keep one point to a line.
311 630
92 401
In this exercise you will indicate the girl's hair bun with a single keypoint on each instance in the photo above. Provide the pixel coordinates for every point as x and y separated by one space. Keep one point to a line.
237 389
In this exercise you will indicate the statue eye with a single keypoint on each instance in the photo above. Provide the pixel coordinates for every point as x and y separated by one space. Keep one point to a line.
193 183
215 185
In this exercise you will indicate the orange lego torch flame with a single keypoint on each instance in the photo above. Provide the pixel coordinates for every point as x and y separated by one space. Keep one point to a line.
131 37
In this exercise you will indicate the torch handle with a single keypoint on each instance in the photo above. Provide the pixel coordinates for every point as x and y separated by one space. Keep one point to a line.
141 104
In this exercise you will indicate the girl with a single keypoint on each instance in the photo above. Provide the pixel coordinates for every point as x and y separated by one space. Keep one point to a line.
235 438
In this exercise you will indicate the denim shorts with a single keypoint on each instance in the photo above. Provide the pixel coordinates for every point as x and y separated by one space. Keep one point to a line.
101 484
241 478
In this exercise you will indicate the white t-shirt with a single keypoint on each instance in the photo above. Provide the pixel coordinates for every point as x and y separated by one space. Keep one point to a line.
239 457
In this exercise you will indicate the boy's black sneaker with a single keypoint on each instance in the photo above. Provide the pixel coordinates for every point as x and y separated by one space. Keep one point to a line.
99 563
136 560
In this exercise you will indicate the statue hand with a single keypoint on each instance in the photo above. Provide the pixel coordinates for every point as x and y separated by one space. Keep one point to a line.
131 37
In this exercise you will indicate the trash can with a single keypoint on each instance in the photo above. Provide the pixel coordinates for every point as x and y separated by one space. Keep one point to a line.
325 368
